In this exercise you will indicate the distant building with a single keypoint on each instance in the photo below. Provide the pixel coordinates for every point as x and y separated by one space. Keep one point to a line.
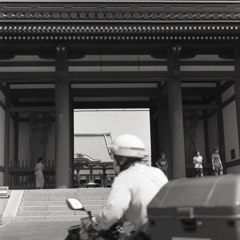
91 156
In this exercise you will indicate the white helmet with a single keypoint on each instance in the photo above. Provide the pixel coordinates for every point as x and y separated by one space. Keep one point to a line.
127 145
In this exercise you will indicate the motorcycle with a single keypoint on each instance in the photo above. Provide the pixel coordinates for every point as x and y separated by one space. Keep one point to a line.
85 230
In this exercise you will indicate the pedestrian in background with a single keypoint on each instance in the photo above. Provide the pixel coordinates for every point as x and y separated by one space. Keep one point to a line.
216 162
39 173
104 178
198 164
78 179
162 163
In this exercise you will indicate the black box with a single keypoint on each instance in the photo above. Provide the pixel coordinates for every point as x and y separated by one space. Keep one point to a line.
197 209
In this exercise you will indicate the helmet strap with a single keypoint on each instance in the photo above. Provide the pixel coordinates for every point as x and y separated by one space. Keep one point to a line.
125 162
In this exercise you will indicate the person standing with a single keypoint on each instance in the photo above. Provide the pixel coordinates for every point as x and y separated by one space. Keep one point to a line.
104 178
78 179
198 162
216 162
39 173
162 163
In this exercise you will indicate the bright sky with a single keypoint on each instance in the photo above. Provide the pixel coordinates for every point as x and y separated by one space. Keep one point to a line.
116 122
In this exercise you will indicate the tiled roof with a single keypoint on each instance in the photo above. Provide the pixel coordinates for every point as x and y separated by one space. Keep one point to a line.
94 146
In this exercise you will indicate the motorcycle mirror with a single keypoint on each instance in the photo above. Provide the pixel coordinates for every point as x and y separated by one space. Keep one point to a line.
74 204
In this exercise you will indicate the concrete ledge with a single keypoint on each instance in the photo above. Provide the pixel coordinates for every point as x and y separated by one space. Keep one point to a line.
13 204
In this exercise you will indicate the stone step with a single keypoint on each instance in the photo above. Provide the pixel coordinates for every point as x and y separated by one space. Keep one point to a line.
63 198
60 190
66 194
57 208
49 218
67 191
63 203
55 213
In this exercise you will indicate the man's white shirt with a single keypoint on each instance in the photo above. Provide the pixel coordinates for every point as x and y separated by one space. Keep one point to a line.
131 192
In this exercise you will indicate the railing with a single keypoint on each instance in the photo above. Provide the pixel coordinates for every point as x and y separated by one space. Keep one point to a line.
190 171
22 174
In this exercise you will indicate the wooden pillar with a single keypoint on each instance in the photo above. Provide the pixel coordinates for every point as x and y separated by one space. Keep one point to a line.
175 114
16 138
237 90
7 136
221 139
163 127
62 120
206 137
154 133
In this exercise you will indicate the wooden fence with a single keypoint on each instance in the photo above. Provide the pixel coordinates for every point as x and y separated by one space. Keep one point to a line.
22 174
190 171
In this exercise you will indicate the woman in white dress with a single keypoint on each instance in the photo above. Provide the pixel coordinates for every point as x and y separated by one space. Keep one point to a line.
39 174
198 162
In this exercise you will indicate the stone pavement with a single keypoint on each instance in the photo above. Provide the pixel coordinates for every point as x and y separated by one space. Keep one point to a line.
45 230
35 230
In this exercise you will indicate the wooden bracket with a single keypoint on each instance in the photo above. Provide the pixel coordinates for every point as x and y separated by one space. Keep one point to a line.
61 62
173 61
237 62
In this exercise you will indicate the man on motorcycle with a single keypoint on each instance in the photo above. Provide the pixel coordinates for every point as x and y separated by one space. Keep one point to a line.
134 186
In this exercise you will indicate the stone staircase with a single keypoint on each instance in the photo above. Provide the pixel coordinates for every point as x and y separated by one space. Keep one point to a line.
50 204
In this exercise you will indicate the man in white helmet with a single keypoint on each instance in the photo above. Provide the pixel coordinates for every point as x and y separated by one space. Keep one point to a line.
133 188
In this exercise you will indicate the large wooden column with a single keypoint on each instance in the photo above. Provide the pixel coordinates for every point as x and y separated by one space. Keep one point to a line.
62 120
7 136
221 138
237 90
163 126
154 132
175 114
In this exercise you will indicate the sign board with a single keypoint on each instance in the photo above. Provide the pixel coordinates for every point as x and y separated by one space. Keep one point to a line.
3 191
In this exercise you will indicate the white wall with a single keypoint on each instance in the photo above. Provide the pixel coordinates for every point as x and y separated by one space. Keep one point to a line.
234 170
230 131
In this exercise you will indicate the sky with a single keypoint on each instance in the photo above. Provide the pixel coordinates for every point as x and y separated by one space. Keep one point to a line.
116 122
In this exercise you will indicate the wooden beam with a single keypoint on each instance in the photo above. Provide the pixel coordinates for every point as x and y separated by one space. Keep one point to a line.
113 63
114 92
2 88
226 85
26 76
2 105
31 109
35 104
206 63
116 76
109 105
199 91
200 107
233 163
212 113
228 101
217 76
21 120
32 93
